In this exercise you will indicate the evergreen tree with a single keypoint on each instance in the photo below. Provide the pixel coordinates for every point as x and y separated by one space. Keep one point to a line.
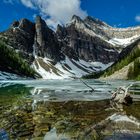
11 61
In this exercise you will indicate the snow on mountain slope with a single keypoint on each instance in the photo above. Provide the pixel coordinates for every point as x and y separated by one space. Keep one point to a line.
69 68
101 65
123 42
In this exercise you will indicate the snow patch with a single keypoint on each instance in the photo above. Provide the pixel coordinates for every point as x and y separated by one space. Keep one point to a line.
100 64
68 68
124 42
34 51
45 74
109 50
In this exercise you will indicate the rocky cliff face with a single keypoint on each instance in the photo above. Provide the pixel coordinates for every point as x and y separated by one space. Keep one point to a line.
71 47
29 38
20 36
109 32
118 37
45 42
85 45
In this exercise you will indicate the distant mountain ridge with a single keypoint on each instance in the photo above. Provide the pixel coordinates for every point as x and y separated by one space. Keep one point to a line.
81 47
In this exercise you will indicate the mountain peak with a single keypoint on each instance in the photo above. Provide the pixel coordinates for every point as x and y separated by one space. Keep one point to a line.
39 20
15 24
76 18
95 21
89 21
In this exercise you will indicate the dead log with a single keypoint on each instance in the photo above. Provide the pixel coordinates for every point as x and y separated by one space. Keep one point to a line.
122 96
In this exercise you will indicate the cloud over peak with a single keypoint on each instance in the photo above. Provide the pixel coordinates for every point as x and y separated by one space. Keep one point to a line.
56 11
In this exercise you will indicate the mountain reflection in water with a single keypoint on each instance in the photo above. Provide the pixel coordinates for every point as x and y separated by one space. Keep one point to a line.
66 110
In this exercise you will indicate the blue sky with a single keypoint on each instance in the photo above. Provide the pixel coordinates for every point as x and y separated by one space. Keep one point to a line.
120 13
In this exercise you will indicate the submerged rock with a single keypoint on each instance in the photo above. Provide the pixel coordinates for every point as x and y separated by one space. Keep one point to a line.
70 120
128 100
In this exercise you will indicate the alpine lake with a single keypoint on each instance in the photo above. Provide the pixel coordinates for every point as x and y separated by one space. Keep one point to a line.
67 110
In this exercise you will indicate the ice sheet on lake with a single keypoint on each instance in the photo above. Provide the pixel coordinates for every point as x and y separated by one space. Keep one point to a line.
68 89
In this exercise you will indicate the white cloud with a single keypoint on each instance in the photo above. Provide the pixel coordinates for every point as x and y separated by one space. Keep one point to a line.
58 11
137 18
28 3
52 23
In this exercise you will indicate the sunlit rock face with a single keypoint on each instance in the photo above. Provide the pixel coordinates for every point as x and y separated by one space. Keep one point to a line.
104 29
46 42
